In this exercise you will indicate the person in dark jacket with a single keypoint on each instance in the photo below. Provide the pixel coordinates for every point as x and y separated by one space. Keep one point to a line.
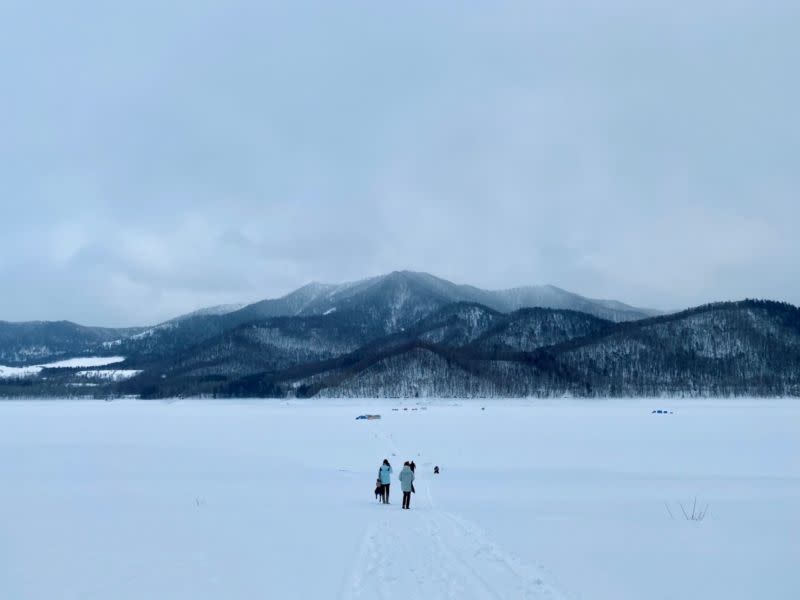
407 484
385 475
413 467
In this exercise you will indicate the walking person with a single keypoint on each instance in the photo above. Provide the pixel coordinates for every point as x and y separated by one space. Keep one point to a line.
407 484
385 476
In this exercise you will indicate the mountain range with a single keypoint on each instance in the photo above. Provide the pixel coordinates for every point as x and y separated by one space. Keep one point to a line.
412 334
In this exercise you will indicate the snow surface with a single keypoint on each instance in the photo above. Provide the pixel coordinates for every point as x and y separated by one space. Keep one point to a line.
273 499
86 361
18 372
71 363
109 374
150 332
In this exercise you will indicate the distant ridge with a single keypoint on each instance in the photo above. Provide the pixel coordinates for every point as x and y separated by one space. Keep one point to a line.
401 287
412 334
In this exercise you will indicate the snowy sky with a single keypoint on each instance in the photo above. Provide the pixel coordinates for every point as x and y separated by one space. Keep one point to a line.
159 157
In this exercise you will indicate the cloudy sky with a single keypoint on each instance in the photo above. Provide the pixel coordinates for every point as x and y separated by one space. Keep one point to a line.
158 157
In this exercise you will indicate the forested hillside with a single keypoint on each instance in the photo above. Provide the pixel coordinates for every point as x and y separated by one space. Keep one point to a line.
411 334
742 348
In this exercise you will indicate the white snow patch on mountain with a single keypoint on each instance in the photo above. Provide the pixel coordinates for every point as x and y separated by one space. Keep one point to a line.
70 363
18 372
109 374
85 361
152 331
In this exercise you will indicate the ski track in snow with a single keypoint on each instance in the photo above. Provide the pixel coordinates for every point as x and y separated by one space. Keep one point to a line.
434 554
430 553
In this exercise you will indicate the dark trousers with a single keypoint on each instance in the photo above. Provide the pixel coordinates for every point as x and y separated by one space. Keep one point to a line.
385 490
406 499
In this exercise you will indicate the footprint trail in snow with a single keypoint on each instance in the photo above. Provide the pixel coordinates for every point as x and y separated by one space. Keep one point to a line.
429 553
433 554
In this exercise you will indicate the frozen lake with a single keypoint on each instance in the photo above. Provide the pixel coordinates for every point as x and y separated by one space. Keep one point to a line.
268 499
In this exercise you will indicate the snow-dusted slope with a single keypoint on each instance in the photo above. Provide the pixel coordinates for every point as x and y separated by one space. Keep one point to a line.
210 311
550 296
406 296
36 342
733 348
391 303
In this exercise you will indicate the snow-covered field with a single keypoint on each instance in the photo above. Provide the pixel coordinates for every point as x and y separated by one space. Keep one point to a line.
108 374
19 372
70 363
85 361
244 500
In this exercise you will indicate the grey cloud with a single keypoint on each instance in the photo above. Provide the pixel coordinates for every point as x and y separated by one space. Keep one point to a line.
151 165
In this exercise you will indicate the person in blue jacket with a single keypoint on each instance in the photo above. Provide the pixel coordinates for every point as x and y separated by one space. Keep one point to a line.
385 475
407 484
